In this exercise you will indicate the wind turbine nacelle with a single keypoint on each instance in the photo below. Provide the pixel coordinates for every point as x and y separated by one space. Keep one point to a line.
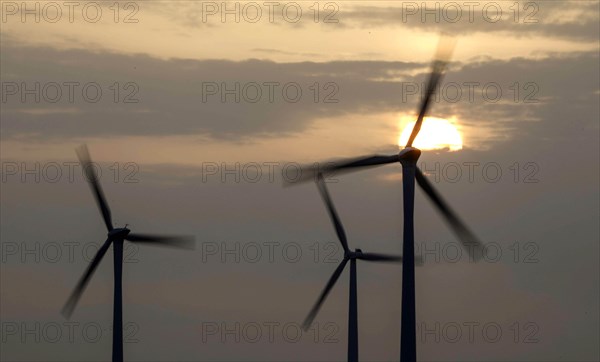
409 154
119 233
353 254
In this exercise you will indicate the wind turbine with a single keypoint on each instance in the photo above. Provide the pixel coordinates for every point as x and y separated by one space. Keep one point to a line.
116 237
408 159
351 256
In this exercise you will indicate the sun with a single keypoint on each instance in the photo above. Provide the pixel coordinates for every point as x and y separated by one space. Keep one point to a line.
435 134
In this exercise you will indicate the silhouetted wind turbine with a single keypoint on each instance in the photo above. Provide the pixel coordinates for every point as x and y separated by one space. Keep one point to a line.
116 236
351 256
408 159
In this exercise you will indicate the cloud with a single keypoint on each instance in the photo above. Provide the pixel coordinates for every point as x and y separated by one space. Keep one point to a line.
534 95
517 19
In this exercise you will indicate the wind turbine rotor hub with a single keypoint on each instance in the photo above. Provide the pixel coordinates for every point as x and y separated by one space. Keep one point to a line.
409 155
353 254
119 233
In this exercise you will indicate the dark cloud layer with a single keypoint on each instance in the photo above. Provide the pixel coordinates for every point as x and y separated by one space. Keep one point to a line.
171 94
526 93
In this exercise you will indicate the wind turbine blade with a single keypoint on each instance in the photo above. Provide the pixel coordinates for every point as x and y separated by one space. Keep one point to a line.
184 242
310 173
378 257
444 52
386 258
467 238
339 229
92 177
315 309
83 282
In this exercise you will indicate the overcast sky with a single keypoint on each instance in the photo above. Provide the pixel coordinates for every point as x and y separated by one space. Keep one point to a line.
194 114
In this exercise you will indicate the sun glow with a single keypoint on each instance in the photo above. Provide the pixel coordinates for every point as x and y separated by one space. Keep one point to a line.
435 134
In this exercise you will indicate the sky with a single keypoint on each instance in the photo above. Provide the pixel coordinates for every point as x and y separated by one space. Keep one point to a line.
195 112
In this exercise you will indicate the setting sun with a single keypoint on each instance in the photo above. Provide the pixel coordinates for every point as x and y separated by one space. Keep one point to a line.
435 134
